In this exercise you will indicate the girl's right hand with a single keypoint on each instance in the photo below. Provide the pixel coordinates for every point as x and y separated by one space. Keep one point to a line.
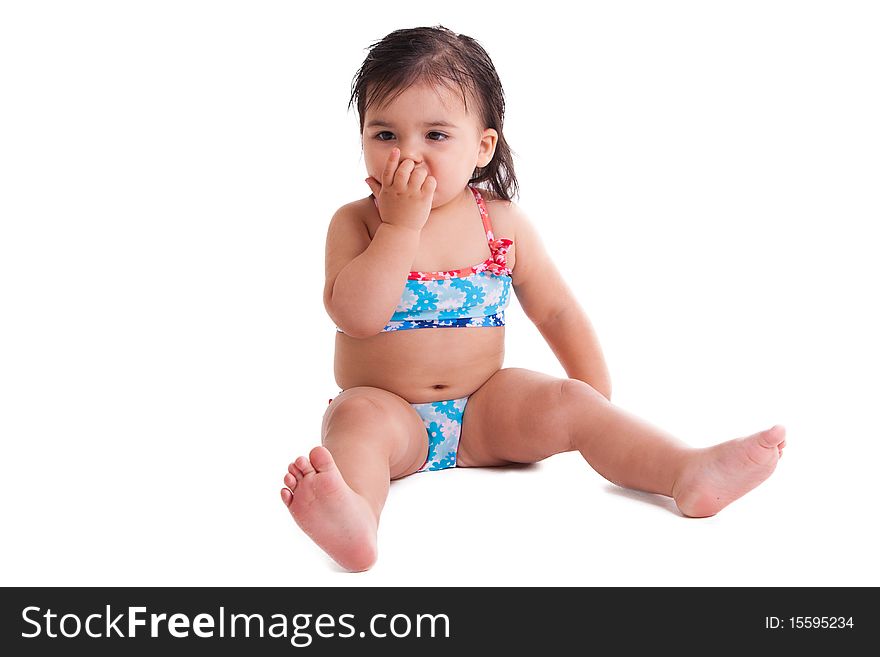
405 194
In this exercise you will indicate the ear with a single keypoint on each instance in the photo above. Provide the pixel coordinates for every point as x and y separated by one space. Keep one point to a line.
488 142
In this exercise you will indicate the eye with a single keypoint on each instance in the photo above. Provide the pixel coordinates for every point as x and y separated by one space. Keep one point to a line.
384 132
438 136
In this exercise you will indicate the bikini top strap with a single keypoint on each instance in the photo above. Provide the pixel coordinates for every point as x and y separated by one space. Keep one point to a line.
484 215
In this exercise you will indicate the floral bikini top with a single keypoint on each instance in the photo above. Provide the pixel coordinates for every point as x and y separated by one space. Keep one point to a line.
474 296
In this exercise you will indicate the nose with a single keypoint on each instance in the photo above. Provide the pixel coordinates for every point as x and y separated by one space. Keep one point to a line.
410 151
410 155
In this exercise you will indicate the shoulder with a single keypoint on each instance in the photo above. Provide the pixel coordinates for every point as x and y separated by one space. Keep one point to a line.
511 221
357 217
358 210
508 218
349 234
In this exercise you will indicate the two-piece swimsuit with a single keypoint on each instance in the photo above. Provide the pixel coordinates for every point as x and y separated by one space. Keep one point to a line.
472 297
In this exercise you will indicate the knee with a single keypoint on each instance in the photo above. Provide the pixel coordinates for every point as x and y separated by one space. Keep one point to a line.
353 408
366 416
580 403
575 391
354 416
368 422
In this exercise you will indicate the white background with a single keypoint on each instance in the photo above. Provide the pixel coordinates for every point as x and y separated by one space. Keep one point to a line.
705 174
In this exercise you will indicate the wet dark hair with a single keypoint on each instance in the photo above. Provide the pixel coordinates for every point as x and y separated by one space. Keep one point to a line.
441 57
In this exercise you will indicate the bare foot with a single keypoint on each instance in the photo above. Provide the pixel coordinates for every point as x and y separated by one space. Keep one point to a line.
720 474
339 520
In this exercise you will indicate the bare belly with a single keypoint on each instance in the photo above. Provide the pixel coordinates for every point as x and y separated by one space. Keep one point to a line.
421 365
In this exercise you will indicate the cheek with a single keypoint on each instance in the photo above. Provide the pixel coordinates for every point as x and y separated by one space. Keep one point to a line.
374 161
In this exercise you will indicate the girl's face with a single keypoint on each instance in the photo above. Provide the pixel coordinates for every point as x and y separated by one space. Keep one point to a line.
430 126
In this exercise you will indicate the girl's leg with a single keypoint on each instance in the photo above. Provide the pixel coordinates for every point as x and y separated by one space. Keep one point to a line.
336 495
520 416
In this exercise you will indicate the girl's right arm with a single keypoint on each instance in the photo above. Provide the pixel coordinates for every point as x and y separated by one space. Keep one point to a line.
365 278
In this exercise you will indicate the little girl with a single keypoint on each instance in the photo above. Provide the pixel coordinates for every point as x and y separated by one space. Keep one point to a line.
420 327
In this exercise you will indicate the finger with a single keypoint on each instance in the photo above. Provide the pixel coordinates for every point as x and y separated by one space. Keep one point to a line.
390 167
401 177
417 177
429 186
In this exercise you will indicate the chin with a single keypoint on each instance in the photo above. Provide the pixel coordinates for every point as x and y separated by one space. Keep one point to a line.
443 196
440 199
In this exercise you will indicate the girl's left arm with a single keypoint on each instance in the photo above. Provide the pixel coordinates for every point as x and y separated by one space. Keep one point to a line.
572 338
554 310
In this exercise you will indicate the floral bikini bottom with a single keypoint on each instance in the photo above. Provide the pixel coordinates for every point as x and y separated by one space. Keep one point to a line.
442 420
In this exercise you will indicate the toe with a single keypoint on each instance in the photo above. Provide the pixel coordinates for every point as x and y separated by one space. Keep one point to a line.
304 465
286 497
322 459
295 471
290 481
772 437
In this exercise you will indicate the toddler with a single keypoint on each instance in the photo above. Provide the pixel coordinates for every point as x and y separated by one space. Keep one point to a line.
418 276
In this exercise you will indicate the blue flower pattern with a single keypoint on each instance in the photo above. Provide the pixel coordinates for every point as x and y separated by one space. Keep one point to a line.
476 300
442 420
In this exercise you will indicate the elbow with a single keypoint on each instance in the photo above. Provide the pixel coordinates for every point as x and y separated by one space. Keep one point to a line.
351 319
602 389
353 325
354 328
605 387
359 331
602 385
